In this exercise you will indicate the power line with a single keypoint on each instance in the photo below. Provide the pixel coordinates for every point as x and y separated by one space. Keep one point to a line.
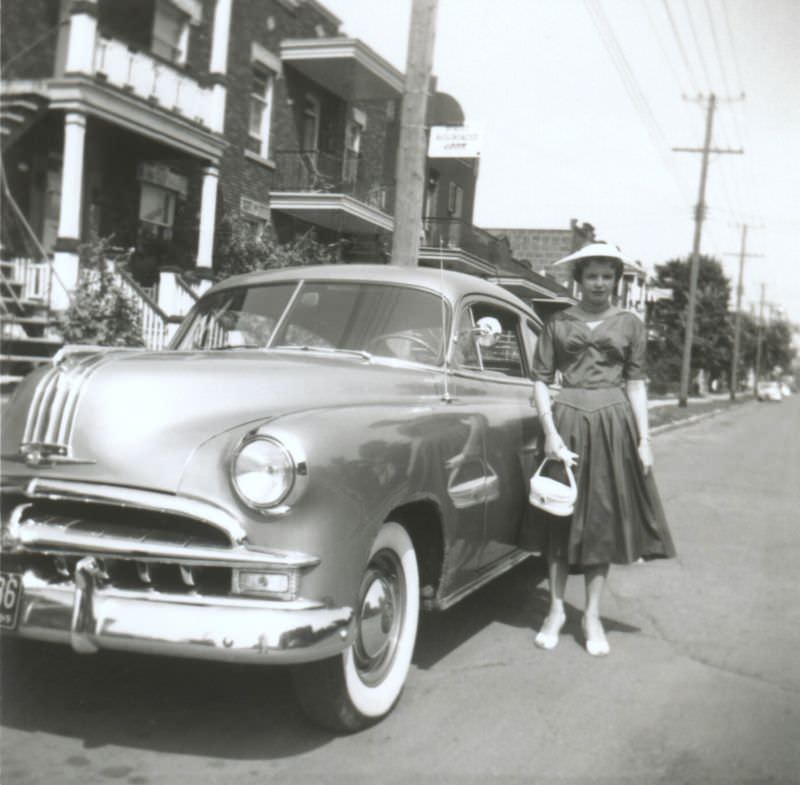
677 36
709 83
635 93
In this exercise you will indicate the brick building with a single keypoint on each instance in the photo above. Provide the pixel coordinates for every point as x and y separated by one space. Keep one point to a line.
156 121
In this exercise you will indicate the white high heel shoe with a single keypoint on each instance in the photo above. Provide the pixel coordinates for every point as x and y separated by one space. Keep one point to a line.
598 646
549 640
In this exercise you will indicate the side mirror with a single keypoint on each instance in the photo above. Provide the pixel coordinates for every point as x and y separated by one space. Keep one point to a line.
488 330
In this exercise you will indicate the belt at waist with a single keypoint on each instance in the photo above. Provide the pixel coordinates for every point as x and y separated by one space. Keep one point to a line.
590 399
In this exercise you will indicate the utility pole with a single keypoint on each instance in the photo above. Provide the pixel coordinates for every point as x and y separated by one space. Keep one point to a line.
758 342
410 176
699 215
737 330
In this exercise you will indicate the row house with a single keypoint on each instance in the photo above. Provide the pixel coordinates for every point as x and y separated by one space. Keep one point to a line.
152 121
162 123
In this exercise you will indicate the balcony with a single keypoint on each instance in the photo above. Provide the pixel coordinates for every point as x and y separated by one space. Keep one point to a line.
331 191
153 80
460 245
345 66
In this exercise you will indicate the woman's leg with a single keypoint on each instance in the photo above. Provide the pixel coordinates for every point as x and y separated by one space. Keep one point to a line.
596 641
558 570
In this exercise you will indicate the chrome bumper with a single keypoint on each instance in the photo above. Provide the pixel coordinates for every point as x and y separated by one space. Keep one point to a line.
89 617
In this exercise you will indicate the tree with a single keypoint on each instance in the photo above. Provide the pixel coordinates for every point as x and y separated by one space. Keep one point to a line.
239 250
712 341
100 312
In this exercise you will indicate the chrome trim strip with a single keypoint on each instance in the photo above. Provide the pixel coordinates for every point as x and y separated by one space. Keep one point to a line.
36 536
153 501
504 565
150 622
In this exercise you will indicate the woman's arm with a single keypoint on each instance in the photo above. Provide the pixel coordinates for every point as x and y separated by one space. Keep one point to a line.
554 446
637 394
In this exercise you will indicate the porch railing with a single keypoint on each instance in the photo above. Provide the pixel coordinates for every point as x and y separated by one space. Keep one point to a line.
153 80
313 171
456 233
35 277
155 323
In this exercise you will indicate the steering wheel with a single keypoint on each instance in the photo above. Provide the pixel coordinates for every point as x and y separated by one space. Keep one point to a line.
410 337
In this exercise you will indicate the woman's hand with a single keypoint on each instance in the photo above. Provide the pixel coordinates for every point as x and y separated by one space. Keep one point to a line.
646 456
555 448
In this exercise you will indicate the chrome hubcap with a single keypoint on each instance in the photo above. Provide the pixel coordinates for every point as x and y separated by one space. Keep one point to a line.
381 612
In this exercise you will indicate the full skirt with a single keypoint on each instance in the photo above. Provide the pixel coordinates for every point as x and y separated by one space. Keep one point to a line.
618 515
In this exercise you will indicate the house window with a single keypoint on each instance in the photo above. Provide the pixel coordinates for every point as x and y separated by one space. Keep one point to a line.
156 211
170 32
455 200
261 108
310 123
352 149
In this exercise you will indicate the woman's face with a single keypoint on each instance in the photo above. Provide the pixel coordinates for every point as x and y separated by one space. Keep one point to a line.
597 283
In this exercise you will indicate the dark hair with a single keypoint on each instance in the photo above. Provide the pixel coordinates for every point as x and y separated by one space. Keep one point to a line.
582 264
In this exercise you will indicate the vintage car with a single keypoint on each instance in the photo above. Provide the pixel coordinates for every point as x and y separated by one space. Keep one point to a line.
321 452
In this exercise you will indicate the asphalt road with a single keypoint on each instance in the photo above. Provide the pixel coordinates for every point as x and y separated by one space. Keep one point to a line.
702 685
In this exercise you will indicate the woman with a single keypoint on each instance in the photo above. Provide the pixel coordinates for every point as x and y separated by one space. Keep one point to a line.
598 425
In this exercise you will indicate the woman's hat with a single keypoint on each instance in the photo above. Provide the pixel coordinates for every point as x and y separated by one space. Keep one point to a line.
598 251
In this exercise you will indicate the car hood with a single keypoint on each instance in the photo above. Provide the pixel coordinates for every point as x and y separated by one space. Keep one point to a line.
139 416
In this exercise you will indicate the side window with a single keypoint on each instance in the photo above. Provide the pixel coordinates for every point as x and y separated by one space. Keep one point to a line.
500 352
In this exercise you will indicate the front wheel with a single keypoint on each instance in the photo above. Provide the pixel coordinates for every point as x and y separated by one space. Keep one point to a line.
360 686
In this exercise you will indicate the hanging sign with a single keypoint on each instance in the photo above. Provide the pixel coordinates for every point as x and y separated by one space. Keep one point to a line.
454 141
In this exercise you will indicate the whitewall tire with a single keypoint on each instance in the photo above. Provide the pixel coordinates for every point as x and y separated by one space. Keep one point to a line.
362 685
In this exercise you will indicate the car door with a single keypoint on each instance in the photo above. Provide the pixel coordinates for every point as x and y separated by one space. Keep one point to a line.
491 373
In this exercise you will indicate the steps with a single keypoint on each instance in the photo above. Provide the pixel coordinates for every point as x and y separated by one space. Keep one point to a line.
18 113
28 335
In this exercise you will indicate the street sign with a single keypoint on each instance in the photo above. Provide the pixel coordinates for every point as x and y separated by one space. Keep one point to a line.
454 141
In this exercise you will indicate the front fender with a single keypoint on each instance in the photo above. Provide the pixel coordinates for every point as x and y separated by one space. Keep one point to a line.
361 462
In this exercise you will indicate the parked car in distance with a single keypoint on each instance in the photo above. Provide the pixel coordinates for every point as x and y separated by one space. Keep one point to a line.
770 391
321 452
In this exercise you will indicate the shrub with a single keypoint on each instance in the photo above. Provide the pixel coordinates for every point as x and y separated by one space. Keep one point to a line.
100 312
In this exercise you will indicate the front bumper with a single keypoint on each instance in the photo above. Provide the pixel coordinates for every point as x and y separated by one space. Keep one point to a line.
90 617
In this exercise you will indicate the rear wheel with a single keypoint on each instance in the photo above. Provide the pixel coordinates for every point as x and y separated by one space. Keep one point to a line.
359 687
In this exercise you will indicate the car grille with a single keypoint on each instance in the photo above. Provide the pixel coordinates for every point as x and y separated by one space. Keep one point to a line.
91 526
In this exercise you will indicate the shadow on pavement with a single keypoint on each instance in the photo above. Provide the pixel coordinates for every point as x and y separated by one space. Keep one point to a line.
519 598
219 710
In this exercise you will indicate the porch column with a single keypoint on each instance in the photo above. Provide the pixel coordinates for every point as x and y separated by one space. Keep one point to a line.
208 212
69 218
218 65
82 37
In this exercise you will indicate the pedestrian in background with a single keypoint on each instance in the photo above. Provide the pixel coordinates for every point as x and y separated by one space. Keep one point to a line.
597 424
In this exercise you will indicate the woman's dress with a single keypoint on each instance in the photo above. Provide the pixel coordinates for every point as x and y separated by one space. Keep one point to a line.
618 515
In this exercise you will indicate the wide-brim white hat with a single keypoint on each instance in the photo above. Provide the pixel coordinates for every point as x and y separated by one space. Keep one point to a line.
598 251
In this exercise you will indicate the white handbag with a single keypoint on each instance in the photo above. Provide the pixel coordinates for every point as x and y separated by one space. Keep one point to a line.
551 495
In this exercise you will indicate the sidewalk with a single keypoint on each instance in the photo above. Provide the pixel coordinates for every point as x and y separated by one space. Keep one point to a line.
665 413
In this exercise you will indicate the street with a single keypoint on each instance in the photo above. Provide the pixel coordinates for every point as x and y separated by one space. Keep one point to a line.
701 686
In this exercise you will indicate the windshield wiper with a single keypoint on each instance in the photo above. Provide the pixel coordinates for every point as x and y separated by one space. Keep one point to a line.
326 350
226 346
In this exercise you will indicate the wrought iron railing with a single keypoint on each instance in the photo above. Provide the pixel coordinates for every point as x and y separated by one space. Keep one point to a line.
313 171
457 233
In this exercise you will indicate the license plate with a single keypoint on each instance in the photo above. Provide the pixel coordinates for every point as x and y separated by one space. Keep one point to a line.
10 599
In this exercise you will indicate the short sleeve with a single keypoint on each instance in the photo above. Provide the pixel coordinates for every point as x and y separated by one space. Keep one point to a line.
543 368
636 359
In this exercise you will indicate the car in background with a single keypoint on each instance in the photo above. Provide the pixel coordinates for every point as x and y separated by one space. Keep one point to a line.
770 391
321 452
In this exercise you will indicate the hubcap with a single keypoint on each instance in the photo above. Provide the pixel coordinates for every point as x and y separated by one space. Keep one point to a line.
381 612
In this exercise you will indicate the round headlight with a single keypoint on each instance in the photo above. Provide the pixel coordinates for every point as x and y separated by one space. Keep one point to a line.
263 472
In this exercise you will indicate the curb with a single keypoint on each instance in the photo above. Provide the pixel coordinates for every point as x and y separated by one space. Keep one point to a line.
669 426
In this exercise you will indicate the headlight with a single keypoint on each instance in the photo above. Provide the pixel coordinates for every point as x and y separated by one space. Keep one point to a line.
263 472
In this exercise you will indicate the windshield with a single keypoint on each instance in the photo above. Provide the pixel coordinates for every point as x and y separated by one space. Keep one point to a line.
382 320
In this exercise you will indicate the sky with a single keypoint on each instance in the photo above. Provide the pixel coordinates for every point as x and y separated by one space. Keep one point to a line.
581 102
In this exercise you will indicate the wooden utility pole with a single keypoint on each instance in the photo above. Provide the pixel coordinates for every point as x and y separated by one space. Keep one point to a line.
699 215
758 342
410 176
737 329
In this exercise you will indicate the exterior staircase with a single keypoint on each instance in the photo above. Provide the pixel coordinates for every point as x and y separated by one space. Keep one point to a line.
27 329
18 112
